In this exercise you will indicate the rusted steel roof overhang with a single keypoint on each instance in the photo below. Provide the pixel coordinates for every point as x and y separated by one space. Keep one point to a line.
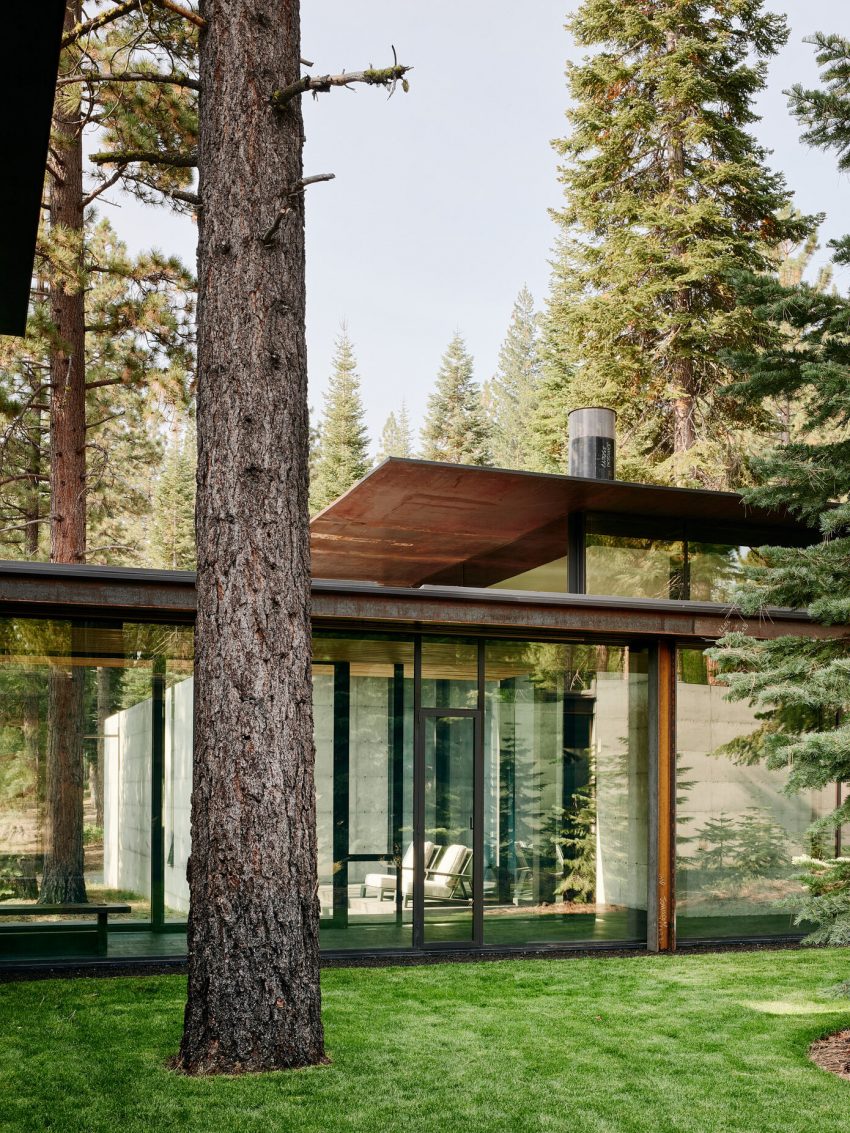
411 522
50 590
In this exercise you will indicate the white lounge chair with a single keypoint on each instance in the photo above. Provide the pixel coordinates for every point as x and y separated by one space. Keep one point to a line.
448 879
386 882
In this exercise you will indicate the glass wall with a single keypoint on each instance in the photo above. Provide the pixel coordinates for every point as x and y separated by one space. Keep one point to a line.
363 714
639 557
535 772
81 727
566 762
635 558
737 831
549 578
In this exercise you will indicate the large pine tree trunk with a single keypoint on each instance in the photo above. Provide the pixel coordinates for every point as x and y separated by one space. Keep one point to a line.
63 861
63 872
254 1001
681 378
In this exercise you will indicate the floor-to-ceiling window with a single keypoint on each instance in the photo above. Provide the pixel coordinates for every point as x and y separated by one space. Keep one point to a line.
566 804
363 719
81 754
737 830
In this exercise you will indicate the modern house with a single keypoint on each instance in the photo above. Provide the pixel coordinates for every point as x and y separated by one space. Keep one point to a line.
520 744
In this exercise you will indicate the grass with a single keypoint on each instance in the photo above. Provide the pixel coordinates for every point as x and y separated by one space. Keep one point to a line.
686 1044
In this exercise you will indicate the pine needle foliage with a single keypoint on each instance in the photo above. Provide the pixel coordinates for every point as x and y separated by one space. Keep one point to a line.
343 449
825 111
456 429
801 686
397 436
511 396
666 193
173 519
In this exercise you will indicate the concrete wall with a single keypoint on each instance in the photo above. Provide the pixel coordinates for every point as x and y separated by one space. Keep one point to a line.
127 800
127 797
705 721
622 789
178 795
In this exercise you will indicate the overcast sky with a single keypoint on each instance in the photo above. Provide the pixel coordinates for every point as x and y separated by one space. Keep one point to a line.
438 213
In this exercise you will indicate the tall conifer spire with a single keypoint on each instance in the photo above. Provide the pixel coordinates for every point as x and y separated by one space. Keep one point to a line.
343 450
455 428
666 194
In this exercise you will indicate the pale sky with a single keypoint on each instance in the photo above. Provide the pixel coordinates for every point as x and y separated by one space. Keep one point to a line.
438 213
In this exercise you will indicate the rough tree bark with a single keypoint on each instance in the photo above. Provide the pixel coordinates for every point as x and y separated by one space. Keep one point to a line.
254 1000
681 380
63 879
63 864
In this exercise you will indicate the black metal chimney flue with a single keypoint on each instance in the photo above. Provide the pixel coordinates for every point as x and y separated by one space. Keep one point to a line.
593 443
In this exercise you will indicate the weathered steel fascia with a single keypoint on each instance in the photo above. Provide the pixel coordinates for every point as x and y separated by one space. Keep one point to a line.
455 607
93 591
98 591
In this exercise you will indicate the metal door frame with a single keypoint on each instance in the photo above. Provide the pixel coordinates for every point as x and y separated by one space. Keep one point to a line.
421 715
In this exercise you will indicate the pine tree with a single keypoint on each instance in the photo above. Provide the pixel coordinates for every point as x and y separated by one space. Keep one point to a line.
343 451
825 111
665 193
173 520
397 436
254 1001
456 429
512 394
801 686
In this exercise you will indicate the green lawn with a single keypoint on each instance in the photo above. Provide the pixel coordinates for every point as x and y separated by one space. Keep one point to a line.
689 1044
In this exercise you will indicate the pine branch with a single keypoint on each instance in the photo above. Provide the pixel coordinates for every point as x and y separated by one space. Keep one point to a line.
176 79
181 195
151 157
102 421
386 77
107 184
85 26
104 381
179 10
97 22
296 191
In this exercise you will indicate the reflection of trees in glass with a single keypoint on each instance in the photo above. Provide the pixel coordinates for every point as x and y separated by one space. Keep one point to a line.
54 702
747 847
63 880
636 567
578 840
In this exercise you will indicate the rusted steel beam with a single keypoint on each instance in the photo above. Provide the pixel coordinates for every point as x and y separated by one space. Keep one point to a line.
666 799
459 608
89 591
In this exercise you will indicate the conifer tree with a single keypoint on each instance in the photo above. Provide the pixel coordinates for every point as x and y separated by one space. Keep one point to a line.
665 193
343 451
801 686
456 429
512 394
825 111
173 519
120 67
397 436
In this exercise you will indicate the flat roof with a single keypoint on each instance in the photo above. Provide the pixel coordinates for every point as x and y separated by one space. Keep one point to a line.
412 522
